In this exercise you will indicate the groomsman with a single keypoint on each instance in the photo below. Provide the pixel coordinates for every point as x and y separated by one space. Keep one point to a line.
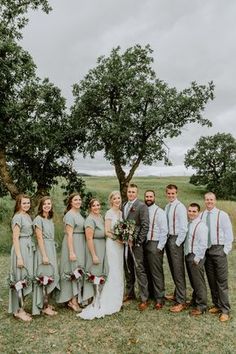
136 210
154 247
220 238
195 247
177 227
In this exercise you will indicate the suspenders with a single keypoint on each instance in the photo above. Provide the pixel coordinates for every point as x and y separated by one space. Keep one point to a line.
153 223
194 232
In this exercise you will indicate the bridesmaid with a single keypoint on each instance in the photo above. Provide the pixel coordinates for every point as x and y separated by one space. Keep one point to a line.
96 260
22 254
45 258
73 253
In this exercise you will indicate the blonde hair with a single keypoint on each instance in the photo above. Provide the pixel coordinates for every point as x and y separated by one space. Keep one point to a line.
111 196
208 194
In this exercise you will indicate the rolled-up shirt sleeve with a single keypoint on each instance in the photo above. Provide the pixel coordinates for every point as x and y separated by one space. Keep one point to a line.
182 224
228 233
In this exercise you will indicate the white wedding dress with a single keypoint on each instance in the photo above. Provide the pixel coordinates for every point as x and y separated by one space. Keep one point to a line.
113 289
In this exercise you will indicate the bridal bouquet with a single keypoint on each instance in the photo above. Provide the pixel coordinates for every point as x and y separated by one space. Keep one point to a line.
124 230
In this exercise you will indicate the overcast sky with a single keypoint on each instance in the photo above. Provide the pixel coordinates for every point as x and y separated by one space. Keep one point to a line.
193 40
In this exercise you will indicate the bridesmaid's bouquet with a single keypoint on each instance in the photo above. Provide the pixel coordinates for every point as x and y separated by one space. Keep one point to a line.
77 274
98 283
124 231
44 280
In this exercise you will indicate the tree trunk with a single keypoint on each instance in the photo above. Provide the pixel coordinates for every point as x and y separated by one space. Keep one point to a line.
5 175
41 192
123 179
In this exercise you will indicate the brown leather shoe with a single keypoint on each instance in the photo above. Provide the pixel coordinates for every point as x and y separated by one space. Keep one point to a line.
214 310
143 306
196 312
170 297
178 308
158 306
128 298
224 317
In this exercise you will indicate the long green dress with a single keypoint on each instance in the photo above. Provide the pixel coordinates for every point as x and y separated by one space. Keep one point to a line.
97 225
72 288
47 228
27 248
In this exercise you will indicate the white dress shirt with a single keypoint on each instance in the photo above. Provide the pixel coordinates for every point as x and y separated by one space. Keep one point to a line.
224 235
158 229
128 206
178 221
196 242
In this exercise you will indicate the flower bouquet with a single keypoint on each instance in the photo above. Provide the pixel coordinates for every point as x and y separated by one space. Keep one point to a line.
44 277
19 285
124 230
76 276
98 282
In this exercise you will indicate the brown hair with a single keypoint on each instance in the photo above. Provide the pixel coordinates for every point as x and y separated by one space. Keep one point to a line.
18 202
172 186
132 185
69 200
40 207
195 205
150 190
90 204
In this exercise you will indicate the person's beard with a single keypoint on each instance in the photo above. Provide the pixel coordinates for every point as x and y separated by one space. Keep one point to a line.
149 203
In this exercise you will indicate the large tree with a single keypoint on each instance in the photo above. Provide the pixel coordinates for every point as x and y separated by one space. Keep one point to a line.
36 137
127 112
214 160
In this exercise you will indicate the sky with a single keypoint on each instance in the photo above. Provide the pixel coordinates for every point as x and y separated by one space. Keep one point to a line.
192 41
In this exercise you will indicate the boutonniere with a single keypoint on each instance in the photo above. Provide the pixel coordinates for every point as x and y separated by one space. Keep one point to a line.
132 209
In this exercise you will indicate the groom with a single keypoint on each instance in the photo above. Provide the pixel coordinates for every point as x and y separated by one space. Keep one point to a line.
136 210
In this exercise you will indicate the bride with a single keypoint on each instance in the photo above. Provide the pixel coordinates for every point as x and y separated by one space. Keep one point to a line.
112 293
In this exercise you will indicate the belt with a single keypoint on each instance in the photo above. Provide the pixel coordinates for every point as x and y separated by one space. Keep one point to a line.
169 235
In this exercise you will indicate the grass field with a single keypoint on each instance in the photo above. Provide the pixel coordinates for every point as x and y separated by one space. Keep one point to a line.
128 331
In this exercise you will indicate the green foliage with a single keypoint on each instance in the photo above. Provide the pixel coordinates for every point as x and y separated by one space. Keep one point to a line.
37 140
13 15
128 113
214 159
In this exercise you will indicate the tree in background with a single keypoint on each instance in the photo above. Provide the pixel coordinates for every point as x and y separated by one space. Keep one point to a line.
128 113
214 159
36 138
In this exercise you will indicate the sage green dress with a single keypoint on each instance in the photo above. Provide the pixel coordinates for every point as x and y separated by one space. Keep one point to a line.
70 289
47 228
27 249
97 225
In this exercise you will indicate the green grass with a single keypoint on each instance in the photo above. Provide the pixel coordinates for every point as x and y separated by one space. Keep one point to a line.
129 331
